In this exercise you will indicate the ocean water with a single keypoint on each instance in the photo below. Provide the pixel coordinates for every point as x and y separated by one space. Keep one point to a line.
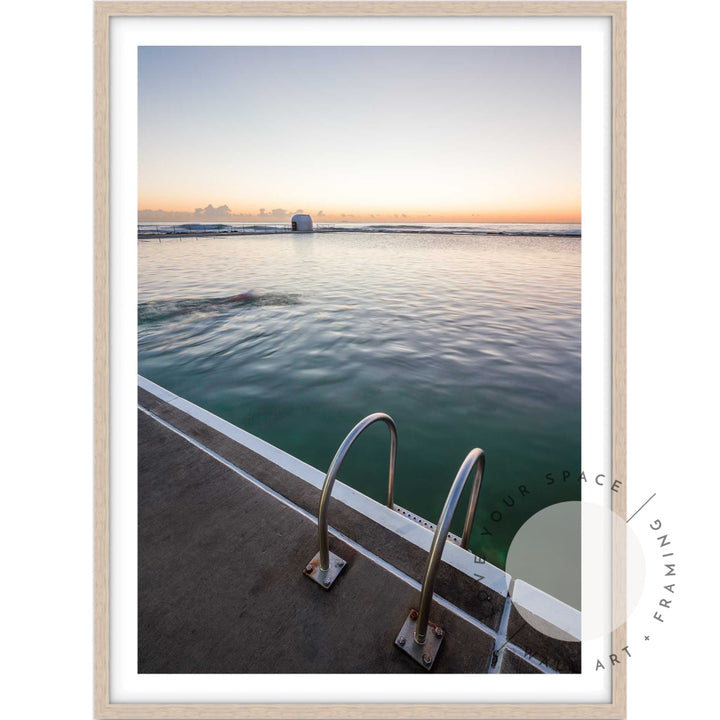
512 229
468 335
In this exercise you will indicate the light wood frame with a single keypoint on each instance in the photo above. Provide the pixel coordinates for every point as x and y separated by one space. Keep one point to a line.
104 11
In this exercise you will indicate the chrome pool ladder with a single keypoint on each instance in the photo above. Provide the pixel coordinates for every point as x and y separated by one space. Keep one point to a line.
414 637
326 566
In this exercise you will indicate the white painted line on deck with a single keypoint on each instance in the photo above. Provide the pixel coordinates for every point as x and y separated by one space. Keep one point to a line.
501 639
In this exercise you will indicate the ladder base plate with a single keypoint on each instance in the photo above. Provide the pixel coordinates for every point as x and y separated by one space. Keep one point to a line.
324 578
426 653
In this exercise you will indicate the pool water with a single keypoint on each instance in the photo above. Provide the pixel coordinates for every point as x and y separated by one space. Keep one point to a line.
466 340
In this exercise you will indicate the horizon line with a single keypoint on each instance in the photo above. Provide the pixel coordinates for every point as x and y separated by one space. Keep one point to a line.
220 221
210 214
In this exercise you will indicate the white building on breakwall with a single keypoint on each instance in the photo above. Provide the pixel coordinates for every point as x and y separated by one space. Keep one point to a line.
302 223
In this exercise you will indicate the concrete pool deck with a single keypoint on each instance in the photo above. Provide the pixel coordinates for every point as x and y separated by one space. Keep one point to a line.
226 525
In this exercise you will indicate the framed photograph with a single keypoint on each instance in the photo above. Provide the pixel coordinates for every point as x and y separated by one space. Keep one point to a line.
360 360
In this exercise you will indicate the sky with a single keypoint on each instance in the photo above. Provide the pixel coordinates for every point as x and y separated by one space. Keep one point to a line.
429 134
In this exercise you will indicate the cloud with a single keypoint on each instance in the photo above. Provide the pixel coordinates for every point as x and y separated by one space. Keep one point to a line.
215 213
203 214
224 213
148 215
275 213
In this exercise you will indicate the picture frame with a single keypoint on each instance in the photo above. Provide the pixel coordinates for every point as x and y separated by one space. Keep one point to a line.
105 14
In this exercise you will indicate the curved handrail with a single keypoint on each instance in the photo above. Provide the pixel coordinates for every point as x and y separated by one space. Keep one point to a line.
474 493
334 469
474 459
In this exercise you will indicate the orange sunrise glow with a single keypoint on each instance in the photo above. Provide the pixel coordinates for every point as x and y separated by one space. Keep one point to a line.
358 134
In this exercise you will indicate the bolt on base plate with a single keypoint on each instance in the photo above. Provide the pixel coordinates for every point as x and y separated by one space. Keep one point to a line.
426 653
324 578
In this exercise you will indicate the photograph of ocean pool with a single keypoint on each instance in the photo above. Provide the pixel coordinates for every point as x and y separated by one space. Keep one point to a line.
467 335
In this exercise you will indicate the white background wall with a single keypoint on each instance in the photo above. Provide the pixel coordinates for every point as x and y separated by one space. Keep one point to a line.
45 247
